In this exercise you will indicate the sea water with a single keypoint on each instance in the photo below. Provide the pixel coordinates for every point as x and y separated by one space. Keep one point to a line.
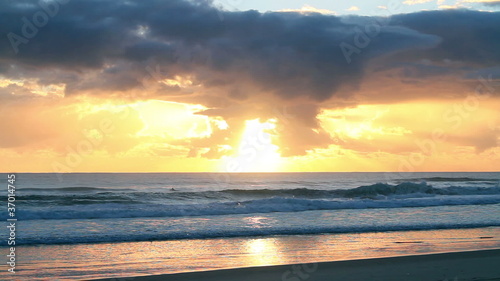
60 210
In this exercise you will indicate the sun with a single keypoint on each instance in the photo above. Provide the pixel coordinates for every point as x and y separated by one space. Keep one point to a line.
256 151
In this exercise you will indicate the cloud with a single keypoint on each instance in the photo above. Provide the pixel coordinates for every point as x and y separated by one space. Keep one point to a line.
395 128
493 4
306 9
445 7
353 8
267 50
60 124
485 2
477 27
415 2
242 64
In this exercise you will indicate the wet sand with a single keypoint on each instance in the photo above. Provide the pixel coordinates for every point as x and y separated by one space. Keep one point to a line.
459 266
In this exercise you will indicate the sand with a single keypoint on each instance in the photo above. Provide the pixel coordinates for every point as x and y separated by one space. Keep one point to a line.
458 266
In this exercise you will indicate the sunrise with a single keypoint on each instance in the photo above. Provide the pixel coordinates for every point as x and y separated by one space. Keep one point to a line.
282 135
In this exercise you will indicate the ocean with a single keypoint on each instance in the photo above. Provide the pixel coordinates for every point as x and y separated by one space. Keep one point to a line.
61 210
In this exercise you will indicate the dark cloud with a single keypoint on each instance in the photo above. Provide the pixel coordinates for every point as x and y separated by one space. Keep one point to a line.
467 36
287 54
491 73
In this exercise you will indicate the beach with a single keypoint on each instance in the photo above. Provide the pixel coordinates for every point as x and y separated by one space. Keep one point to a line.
95 226
268 255
474 265
233 140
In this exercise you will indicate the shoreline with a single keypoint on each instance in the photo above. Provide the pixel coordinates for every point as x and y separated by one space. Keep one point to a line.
117 261
263 236
464 265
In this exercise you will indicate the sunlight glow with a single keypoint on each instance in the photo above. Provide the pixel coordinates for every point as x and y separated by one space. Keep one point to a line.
256 152
170 119
263 252
307 9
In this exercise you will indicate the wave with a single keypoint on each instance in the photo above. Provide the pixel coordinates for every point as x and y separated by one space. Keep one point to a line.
369 191
417 188
268 205
81 195
456 179
72 189
92 203
249 232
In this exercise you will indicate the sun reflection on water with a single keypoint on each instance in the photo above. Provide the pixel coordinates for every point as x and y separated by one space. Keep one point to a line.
263 252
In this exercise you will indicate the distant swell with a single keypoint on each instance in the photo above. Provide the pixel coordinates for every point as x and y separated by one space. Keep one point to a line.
269 205
93 195
415 188
72 189
93 202
459 179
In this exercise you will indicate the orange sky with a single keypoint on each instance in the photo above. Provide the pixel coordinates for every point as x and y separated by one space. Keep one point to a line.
245 91
85 134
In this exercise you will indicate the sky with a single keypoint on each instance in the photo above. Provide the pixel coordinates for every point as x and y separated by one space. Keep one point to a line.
249 86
